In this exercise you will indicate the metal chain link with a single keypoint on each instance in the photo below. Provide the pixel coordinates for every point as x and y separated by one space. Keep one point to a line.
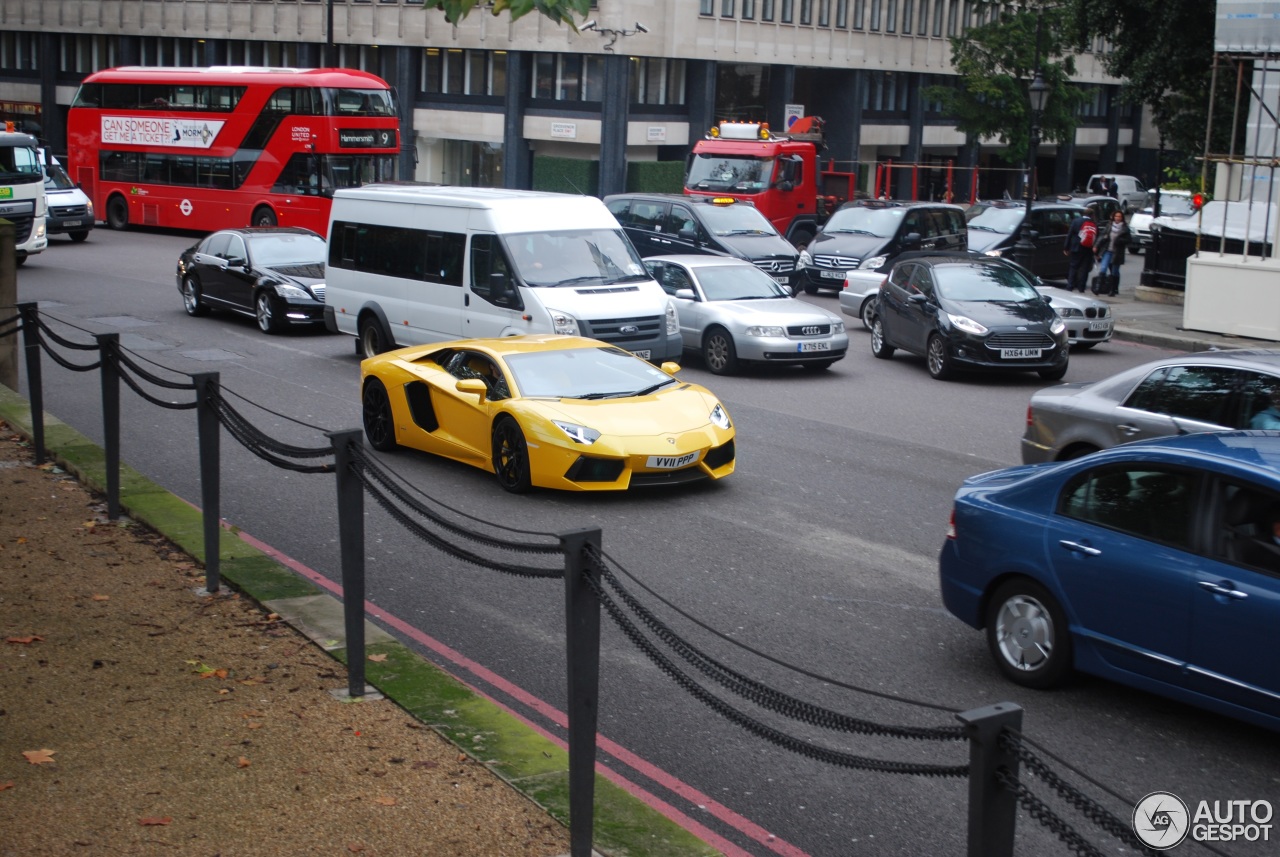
761 730
1081 802
228 415
59 359
762 695
63 341
441 544
376 471
1046 817
151 377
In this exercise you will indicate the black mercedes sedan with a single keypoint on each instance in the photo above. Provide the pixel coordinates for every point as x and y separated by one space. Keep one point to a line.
962 312
273 273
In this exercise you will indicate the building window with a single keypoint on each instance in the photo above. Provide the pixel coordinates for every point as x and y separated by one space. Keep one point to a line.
569 80
806 12
824 13
766 10
18 51
842 13
875 15
859 13
593 78
787 11
707 7
726 8
891 16
657 81
952 12
938 7
748 10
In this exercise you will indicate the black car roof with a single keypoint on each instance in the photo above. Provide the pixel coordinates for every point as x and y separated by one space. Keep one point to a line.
272 230
899 203
1035 203
673 197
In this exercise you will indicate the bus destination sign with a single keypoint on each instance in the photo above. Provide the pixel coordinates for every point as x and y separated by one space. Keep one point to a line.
366 138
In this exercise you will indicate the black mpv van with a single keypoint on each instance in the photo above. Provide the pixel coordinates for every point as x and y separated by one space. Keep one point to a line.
662 224
868 234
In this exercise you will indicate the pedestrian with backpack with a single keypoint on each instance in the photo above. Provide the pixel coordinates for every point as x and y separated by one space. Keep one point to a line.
1109 247
1082 234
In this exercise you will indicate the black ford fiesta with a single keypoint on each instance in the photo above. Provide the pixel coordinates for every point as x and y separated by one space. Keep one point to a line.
962 312
273 273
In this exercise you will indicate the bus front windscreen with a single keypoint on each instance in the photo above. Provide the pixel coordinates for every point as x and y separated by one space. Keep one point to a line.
360 102
740 175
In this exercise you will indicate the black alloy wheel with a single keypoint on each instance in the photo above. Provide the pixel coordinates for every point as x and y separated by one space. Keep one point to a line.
511 456
379 424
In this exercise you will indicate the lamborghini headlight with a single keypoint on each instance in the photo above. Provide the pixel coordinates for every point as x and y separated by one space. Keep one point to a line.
580 434
720 417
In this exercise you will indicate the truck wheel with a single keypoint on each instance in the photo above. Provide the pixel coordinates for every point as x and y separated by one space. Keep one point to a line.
373 340
264 216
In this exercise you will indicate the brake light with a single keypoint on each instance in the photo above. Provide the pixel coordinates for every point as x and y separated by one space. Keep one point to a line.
1031 420
951 526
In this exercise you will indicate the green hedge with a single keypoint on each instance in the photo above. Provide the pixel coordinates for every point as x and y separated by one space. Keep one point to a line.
655 177
566 175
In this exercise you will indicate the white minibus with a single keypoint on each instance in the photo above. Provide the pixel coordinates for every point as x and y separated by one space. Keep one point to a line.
411 264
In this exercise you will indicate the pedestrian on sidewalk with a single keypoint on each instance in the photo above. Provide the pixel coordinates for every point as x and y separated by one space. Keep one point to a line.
1081 236
1109 248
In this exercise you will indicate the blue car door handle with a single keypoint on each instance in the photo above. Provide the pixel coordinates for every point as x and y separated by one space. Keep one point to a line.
1217 589
1079 548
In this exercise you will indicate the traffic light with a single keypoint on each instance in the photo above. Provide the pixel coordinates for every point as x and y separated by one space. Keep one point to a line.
1197 201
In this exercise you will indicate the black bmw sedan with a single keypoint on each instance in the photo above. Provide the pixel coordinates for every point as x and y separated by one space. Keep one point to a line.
962 312
275 274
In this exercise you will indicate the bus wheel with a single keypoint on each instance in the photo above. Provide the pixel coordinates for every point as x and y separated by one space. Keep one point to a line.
264 217
372 340
117 213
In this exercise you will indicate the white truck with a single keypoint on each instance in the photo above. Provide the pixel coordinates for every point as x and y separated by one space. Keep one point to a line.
22 197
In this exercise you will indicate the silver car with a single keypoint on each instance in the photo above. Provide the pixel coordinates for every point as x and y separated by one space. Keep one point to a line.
1089 321
732 313
858 297
1203 391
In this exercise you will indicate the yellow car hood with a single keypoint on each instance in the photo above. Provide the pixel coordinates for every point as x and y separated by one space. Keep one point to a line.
683 408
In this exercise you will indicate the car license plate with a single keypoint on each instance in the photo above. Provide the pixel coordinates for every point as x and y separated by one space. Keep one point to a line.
643 355
782 281
1018 353
71 223
1099 325
672 462
833 275
814 346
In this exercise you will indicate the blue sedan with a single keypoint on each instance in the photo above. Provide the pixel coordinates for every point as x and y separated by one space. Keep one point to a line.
1155 564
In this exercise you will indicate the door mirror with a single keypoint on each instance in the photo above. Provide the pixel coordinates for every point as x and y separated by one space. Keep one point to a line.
690 235
685 295
235 262
911 241
472 385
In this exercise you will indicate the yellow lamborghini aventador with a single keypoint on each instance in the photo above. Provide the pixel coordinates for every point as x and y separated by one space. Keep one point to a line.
548 411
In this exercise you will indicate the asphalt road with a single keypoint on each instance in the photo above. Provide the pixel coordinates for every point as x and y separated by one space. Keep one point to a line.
820 551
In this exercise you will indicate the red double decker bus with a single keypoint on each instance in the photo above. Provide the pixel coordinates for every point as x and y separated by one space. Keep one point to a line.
211 148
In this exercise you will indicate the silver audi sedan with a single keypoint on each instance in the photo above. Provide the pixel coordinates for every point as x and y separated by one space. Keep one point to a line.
1202 391
733 313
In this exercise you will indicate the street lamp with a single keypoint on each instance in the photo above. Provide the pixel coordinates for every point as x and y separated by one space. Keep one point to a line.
1038 93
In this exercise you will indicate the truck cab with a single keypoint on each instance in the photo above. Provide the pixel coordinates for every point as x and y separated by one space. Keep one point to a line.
22 197
777 174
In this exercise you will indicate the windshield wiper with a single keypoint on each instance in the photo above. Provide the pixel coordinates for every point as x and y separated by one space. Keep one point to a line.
593 396
752 297
745 232
572 280
851 231
647 390
983 228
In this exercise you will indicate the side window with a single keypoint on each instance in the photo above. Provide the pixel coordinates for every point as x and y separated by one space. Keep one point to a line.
491 273
1038 221
1058 223
1247 528
235 249
1257 402
1146 501
218 244
621 209
469 364
444 257
1199 393
901 276
912 223
680 219
674 278
647 215
922 281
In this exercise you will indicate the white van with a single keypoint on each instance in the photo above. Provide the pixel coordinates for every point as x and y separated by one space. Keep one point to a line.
411 264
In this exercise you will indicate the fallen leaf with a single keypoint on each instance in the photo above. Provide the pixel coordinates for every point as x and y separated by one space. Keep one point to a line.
4 786
39 757
355 847
34 638
22 540
252 725
89 525
377 659
222 691
102 598
242 762
385 801
154 821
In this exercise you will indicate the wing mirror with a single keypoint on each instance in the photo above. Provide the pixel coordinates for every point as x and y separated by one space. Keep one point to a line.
472 385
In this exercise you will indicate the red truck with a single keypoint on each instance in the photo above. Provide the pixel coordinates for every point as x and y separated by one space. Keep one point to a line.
781 175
